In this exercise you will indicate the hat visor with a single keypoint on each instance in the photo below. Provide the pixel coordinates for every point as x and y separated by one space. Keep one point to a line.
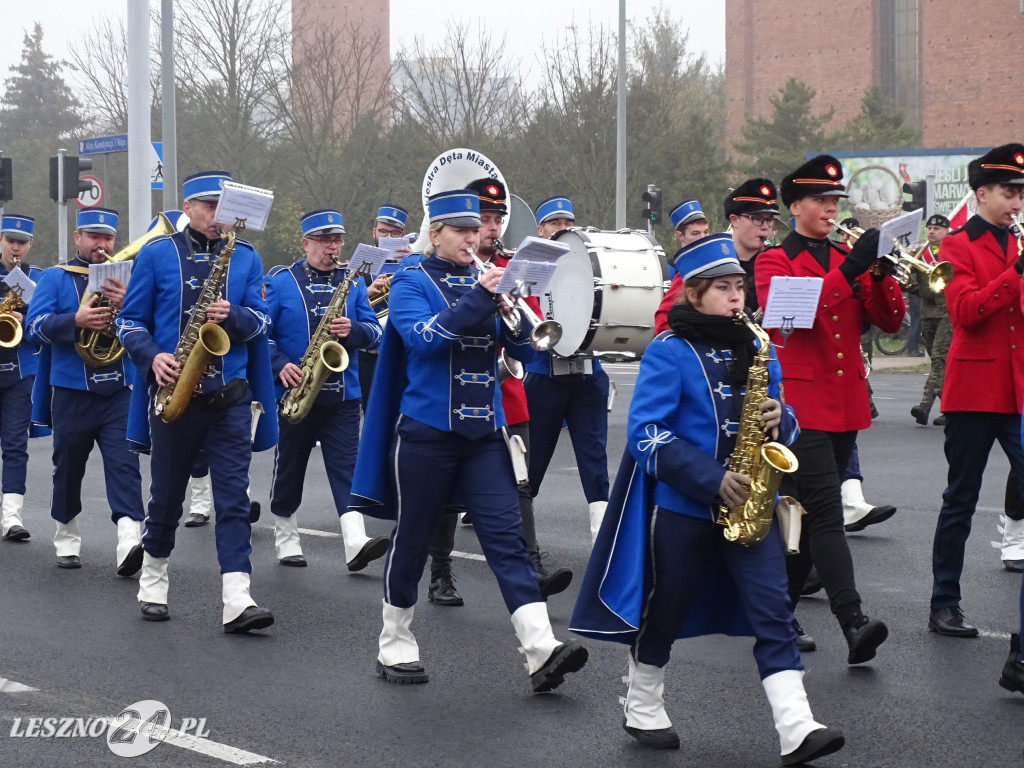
16 234
773 211
502 208
828 193
100 230
462 221
325 231
390 220
729 267
204 197
558 215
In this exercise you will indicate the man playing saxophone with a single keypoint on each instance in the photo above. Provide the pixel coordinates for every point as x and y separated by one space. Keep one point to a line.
299 299
85 405
172 276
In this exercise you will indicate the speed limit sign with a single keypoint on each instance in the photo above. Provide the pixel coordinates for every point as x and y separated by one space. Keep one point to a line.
91 197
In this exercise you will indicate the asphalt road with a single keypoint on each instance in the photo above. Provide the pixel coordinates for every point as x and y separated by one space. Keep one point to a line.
304 692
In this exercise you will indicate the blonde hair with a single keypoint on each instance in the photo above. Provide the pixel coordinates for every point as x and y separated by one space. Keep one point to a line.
429 249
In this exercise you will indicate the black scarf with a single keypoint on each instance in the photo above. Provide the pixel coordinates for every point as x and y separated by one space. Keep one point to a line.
717 331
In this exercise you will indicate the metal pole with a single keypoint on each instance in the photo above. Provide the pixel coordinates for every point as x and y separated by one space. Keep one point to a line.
620 130
168 129
62 211
139 136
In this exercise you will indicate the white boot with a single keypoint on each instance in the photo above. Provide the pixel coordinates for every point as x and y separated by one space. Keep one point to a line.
353 533
235 594
1011 551
202 496
597 509
533 628
11 514
129 535
397 643
153 580
644 705
286 537
67 539
792 713
854 506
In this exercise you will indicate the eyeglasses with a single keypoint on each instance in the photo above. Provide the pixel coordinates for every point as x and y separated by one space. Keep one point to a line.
389 231
760 221
328 239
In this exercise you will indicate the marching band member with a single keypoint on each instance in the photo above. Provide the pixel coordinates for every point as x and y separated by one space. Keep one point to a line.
443 433
690 224
17 373
85 405
297 298
167 279
442 590
661 569
984 384
935 326
825 382
574 392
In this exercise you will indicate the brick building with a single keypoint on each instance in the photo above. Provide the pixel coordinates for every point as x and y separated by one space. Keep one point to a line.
951 66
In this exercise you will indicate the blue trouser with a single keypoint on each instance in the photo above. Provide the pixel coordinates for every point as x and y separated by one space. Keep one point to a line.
679 550
224 436
15 420
432 467
581 401
853 467
969 439
337 428
81 419
200 467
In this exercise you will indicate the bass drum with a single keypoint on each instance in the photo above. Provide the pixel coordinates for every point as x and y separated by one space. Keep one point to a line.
605 291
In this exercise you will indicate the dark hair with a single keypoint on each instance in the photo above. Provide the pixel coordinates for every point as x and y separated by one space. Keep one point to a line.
699 284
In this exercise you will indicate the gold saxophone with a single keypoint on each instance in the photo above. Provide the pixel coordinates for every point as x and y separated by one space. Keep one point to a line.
198 343
757 457
10 328
323 356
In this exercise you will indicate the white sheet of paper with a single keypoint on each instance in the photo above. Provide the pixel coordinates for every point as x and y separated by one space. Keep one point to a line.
903 229
529 271
792 301
239 201
100 273
368 259
540 249
17 278
392 244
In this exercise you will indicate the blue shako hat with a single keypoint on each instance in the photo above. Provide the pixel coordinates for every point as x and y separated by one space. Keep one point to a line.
458 208
393 214
16 227
685 212
555 208
325 221
102 220
711 256
204 185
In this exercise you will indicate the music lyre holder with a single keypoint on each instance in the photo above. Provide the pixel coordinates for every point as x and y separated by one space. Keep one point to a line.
786 329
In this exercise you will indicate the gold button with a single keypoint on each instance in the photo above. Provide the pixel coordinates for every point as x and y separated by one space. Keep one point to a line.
981 310
837 335
835 293
839 373
839 355
835 318
1012 328
995 296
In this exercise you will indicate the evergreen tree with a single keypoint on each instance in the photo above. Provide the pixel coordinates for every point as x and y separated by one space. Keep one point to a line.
881 124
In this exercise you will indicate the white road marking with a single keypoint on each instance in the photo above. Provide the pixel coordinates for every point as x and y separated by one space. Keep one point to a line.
215 749
332 534
9 686
468 555
994 635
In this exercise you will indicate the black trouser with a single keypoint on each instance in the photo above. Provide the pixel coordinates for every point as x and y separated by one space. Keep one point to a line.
823 457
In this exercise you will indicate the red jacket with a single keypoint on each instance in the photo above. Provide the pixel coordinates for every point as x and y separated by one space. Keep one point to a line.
513 396
985 363
661 316
822 368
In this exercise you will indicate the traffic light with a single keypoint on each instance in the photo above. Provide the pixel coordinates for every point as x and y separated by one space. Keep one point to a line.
73 186
6 180
918 191
652 197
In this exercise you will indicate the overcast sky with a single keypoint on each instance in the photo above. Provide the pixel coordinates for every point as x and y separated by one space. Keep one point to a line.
529 23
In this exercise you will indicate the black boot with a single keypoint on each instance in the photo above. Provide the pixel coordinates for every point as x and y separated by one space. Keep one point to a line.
442 587
442 583
550 582
1012 678
804 642
863 635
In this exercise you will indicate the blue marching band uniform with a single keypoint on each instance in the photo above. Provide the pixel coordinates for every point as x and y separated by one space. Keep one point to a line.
18 363
83 405
297 298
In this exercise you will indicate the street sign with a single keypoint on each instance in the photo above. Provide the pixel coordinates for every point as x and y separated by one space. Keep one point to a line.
156 166
92 196
100 144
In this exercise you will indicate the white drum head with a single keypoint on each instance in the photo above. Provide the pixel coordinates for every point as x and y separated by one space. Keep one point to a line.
572 292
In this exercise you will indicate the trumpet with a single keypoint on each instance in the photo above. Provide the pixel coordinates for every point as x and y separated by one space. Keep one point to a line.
901 263
382 297
544 334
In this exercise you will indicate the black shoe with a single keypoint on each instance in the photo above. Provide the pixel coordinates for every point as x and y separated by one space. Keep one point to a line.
940 420
252 617
550 582
1016 566
132 562
16 533
951 623
566 658
920 414
154 612
194 520
442 589
1012 678
294 561
371 550
819 743
254 512
877 515
408 673
864 635
804 642
465 518
69 561
813 583
874 410
654 738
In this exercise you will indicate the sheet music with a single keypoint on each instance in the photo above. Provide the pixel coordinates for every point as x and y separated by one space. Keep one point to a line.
100 273
540 249
529 271
393 244
903 229
368 259
18 280
239 201
792 302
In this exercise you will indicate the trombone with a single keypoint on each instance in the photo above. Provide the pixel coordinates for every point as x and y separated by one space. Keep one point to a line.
900 263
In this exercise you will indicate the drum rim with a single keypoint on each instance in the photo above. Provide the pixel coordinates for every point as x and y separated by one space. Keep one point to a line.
596 305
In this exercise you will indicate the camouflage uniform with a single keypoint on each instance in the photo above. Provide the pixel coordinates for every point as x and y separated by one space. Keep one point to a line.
937 333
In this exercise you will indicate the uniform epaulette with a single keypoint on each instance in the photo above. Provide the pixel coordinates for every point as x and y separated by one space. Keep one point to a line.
276 268
958 229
